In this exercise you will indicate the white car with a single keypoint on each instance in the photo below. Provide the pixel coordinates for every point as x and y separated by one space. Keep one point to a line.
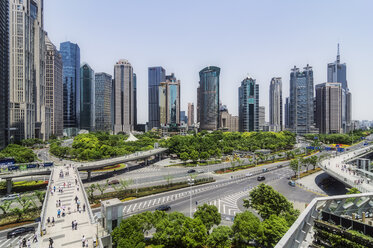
10 197
249 174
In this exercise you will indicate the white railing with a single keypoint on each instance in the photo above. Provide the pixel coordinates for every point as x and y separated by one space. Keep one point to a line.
89 210
41 225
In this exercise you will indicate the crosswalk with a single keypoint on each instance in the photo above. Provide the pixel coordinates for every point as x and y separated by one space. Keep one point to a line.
13 242
228 205
130 208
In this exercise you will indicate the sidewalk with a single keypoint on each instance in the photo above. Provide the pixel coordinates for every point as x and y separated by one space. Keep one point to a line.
62 233
336 166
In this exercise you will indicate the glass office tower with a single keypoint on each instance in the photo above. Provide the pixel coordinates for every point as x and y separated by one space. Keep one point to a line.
301 107
70 53
156 75
4 72
87 98
248 105
208 98
103 95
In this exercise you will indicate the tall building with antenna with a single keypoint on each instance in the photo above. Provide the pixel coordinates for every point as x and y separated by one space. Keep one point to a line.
337 74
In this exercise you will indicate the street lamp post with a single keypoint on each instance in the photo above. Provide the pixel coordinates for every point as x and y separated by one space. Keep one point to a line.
191 183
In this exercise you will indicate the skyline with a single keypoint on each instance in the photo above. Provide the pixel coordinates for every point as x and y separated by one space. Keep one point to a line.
259 43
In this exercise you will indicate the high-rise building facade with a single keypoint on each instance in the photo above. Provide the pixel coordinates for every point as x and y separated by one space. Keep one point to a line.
87 98
262 118
103 92
248 106
169 102
123 97
54 87
228 122
190 114
337 74
134 100
329 107
156 75
287 113
4 72
301 107
275 104
208 98
70 53
29 116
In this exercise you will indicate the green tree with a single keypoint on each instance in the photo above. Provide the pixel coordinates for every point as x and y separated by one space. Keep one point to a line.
314 160
129 233
5 206
209 215
168 178
267 201
194 155
90 190
220 237
40 195
102 187
271 231
245 228
18 212
294 165
184 156
123 183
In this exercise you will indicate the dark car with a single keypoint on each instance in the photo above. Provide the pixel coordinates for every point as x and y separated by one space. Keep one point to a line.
114 181
261 178
163 208
20 231
191 171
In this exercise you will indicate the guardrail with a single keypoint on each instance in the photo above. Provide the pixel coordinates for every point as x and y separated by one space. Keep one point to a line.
89 210
41 225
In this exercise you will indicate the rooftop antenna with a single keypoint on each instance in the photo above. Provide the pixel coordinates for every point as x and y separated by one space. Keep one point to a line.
338 55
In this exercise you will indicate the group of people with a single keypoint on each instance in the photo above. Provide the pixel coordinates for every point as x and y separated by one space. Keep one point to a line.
27 243
74 225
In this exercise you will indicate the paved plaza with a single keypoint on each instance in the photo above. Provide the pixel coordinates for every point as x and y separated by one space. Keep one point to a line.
67 190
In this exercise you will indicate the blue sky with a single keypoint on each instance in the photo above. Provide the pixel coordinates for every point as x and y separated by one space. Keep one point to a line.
263 39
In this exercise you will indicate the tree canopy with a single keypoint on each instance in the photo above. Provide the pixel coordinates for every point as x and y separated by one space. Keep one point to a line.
20 154
209 215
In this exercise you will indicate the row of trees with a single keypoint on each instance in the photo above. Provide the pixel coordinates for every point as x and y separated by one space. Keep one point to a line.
205 145
102 145
121 185
339 138
25 204
203 230
20 154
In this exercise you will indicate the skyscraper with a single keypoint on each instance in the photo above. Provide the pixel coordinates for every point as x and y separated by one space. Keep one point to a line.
134 100
248 106
262 117
87 98
208 98
123 97
4 72
71 84
169 102
275 104
337 74
156 75
54 87
287 113
103 87
29 116
301 114
329 107
190 114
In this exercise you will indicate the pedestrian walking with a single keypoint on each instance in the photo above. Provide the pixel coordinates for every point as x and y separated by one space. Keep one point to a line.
83 241
28 243
59 203
84 207
52 221
48 220
72 225
50 243
35 239
76 225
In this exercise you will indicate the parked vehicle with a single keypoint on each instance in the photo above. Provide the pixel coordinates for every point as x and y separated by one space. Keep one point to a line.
163 208
10 197
261 178
114 181
20 231
291 183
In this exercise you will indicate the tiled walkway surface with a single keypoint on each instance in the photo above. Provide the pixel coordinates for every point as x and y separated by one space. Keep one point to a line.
61 232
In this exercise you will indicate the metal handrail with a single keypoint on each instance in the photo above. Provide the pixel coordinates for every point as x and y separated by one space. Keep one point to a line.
90 214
